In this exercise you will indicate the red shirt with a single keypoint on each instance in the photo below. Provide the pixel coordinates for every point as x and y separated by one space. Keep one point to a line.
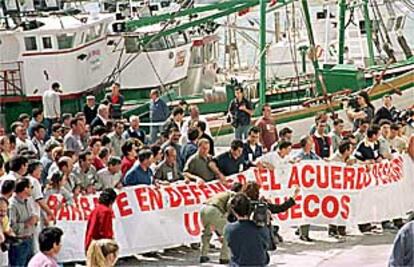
268 132
126 164
99 225
114 99
98 163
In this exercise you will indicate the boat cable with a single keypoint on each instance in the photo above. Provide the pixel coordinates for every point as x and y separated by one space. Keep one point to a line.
351 17
377 31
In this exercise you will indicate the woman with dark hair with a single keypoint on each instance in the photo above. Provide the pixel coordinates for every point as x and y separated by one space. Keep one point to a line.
364 111
100 220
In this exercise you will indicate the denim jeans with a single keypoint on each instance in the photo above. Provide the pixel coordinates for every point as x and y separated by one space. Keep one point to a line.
21 253
241 132
154 130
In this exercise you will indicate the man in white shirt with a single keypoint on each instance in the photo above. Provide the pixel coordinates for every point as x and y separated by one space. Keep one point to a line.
51 105
189 122
110 177
22 140
37 201
280 158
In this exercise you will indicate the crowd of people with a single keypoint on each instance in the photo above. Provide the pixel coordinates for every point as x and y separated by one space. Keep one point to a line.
97 150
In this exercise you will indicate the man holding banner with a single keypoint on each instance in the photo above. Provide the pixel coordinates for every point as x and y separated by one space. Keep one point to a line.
306 153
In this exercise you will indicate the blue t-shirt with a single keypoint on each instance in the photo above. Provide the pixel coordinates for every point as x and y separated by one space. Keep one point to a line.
137 176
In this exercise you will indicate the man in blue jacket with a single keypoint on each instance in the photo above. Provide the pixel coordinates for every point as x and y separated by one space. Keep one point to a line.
140 173
159 113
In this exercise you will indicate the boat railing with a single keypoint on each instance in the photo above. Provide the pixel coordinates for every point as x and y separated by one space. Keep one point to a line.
11 82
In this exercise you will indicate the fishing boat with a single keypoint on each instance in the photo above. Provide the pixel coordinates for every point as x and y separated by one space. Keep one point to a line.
325 85
36 51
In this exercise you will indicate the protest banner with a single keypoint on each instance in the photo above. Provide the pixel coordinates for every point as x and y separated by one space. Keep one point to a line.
149 218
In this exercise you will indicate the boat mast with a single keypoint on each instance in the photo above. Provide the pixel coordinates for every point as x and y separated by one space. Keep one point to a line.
312 47
262 49
368 30
341 34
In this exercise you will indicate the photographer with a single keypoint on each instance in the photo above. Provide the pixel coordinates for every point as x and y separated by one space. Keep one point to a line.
248 242
252 191
363 110
240 111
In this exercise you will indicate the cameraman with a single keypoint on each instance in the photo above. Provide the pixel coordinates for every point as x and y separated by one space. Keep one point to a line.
363 111
248 242
252 191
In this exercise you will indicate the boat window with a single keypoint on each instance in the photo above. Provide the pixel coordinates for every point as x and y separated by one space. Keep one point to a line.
208 52
30 43
196 55
400 23
321 14
170 41
47 43
390 23
362 27
132 44
179 39
82 38
65 40
92 34
157 45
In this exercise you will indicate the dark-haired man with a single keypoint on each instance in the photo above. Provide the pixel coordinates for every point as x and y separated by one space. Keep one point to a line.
110 177
18 168
306 153
176 120
167 171
140 173
83 171
90 109
100 220
73 140
202 126
248 242
50 244
336 133
367 150
232 161
159 113
343 154
280 158
173 140
268 130
23 222
37 118
51 105
251 148
384 143
201 167
386 112
241 111
285 134
39 134
116 101
190 148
